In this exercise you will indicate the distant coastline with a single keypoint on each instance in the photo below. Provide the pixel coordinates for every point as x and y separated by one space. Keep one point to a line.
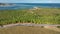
6 4
12 6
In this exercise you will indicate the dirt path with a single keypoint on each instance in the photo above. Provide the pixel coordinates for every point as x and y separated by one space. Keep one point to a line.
26 24
47 26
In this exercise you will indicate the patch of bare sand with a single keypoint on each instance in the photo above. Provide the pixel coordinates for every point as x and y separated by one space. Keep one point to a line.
52 28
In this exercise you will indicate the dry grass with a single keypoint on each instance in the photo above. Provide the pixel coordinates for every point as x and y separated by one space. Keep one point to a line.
26 30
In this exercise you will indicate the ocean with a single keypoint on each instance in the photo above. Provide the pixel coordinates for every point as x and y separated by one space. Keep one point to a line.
30 5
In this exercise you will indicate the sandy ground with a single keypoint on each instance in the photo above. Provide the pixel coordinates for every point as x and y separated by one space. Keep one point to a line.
50 27
27 30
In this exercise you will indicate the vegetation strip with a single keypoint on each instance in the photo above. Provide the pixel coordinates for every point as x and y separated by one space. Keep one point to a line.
37 16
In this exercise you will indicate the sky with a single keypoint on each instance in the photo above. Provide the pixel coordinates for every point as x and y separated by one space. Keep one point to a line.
29 1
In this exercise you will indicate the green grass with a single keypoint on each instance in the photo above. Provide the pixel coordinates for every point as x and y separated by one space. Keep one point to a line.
27 30
38 16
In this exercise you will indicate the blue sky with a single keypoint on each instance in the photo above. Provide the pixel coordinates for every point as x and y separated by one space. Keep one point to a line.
29 1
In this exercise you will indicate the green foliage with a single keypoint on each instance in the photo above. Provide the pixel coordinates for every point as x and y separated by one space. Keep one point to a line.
40 16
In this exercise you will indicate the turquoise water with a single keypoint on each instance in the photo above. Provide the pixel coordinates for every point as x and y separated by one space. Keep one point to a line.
31 5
